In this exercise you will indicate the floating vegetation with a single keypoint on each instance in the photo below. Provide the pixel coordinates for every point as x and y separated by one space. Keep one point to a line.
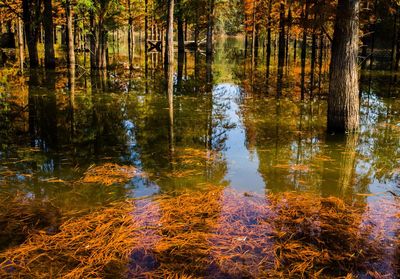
218 233
108 174
195 156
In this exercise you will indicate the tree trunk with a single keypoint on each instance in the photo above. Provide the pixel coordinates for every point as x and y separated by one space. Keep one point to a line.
70 35
20 44
169 46
146 25
343 101
269 37
253 35
31 31
313 58
210 27
181 38
320 63
93 41
281 50
49 59
304 48
130 35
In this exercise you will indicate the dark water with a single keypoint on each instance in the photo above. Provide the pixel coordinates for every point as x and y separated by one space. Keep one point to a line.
54 127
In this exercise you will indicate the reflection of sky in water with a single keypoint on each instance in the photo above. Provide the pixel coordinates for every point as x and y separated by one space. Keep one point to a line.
242 166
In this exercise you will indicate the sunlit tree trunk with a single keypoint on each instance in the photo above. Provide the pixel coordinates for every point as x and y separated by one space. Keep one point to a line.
169 46
20 44
130 35
49 59
269 37
70 35
289 25
313 60
304 48
253 35
343 101
281 46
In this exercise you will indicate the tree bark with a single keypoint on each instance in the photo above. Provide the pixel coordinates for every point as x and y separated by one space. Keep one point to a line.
31 30
20 44
181 38
210 27
49 58
269 37
169 46
313 60
70 35
343 101
304 48
281 50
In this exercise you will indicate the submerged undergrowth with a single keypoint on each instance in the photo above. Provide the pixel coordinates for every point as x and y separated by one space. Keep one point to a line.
214 234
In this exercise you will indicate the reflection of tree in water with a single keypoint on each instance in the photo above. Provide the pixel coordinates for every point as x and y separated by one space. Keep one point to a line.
195 124
339 173
287 141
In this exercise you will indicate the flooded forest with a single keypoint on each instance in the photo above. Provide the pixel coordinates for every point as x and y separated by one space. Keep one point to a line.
199 139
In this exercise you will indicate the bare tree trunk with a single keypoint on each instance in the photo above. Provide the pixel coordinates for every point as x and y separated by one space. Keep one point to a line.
146 24
20 44
304 48
269 37
210 27
181 38
253 35
93 42
49 59
130 35
320 63
169 46
343 102
281 50
70 35
31 30
313 58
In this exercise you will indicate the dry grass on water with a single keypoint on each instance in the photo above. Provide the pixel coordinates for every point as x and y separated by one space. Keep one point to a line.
218 233
108 174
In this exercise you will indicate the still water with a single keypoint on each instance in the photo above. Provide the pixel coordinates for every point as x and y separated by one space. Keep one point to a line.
53 128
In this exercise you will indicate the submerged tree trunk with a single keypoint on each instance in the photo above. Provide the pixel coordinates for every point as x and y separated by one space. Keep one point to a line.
49 59
169 45
343 102
31 30
70 35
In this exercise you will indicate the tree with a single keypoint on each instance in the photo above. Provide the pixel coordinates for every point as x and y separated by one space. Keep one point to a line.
70 35
169 46
343 102
30 14
49 59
